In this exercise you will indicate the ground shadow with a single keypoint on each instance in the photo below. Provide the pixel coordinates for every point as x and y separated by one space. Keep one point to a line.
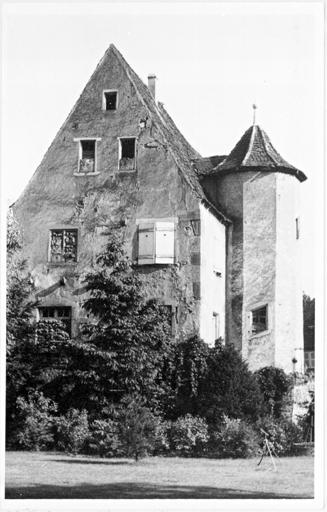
86 461
141 490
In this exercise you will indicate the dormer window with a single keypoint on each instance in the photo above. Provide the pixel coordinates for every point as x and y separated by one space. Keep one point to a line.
109 100
127 150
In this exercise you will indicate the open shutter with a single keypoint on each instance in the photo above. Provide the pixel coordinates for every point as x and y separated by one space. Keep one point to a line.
164 242
146 244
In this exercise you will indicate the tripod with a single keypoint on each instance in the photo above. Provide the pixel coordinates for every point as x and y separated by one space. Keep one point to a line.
268 449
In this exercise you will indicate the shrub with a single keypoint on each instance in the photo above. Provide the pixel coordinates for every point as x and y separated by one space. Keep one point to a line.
161 444
137 427
35 421
283 434
230 388
72 431
188 435
103 439
235 439
275 386
293 434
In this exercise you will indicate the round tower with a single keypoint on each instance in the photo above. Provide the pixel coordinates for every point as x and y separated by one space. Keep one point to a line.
258 191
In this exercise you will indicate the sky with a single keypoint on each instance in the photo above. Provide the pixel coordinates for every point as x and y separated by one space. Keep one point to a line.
213 61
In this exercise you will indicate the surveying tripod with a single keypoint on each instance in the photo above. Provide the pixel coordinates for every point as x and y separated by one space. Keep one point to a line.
268 449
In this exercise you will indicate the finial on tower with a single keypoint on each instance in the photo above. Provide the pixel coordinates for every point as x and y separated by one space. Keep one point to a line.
254 106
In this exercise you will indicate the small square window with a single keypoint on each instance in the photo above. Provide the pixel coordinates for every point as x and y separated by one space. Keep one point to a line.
109 100
259 320
127 153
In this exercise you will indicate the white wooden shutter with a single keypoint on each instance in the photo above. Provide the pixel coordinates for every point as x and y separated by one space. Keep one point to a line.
164 242
146 244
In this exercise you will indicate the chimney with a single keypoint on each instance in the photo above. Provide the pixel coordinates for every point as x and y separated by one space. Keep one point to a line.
152 84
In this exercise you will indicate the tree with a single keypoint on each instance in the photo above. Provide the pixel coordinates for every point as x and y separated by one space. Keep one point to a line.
129 341
19 315
137 427
19 287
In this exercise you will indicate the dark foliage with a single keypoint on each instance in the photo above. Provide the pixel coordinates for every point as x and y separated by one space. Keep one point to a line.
128 343
229 388
275 387
188 377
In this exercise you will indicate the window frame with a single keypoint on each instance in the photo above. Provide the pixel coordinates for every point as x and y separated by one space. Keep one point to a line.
104 101
61 263
120 169
267 329
80 154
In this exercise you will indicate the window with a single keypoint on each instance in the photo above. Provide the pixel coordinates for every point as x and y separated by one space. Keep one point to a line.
297 227
60 313
309 360
87 156
259 319
109 101
127 153
63 245
156 243
216 326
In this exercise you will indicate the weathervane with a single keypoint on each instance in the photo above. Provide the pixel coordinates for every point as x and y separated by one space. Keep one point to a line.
254 106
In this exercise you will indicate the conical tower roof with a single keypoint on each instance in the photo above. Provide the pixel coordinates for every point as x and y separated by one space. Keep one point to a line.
254 151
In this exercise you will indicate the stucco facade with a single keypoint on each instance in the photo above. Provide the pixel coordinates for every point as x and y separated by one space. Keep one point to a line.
209 237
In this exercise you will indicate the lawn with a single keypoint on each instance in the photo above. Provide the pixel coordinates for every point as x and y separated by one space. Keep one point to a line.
55 475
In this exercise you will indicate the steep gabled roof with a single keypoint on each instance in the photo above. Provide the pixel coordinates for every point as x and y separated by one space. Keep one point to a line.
255 151
181 151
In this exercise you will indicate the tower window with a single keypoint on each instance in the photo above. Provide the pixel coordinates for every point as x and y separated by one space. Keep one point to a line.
60 313
216 326
297 227
127 153
259 320
109 100
63 245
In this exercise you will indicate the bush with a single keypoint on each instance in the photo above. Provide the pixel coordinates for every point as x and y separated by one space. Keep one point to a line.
161 444
230 388
137 427
35 422
235 439
188 435
103 439
283 434
275 386
72 431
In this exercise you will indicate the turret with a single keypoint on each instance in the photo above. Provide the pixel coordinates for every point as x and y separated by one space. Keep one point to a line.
258 191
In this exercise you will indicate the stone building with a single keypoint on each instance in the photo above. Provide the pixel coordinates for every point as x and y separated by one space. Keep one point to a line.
215 238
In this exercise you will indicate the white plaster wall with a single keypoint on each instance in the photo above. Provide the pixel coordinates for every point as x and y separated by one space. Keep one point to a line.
213 259
289 310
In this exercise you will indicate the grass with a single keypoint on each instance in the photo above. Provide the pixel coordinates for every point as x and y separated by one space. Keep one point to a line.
55 475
